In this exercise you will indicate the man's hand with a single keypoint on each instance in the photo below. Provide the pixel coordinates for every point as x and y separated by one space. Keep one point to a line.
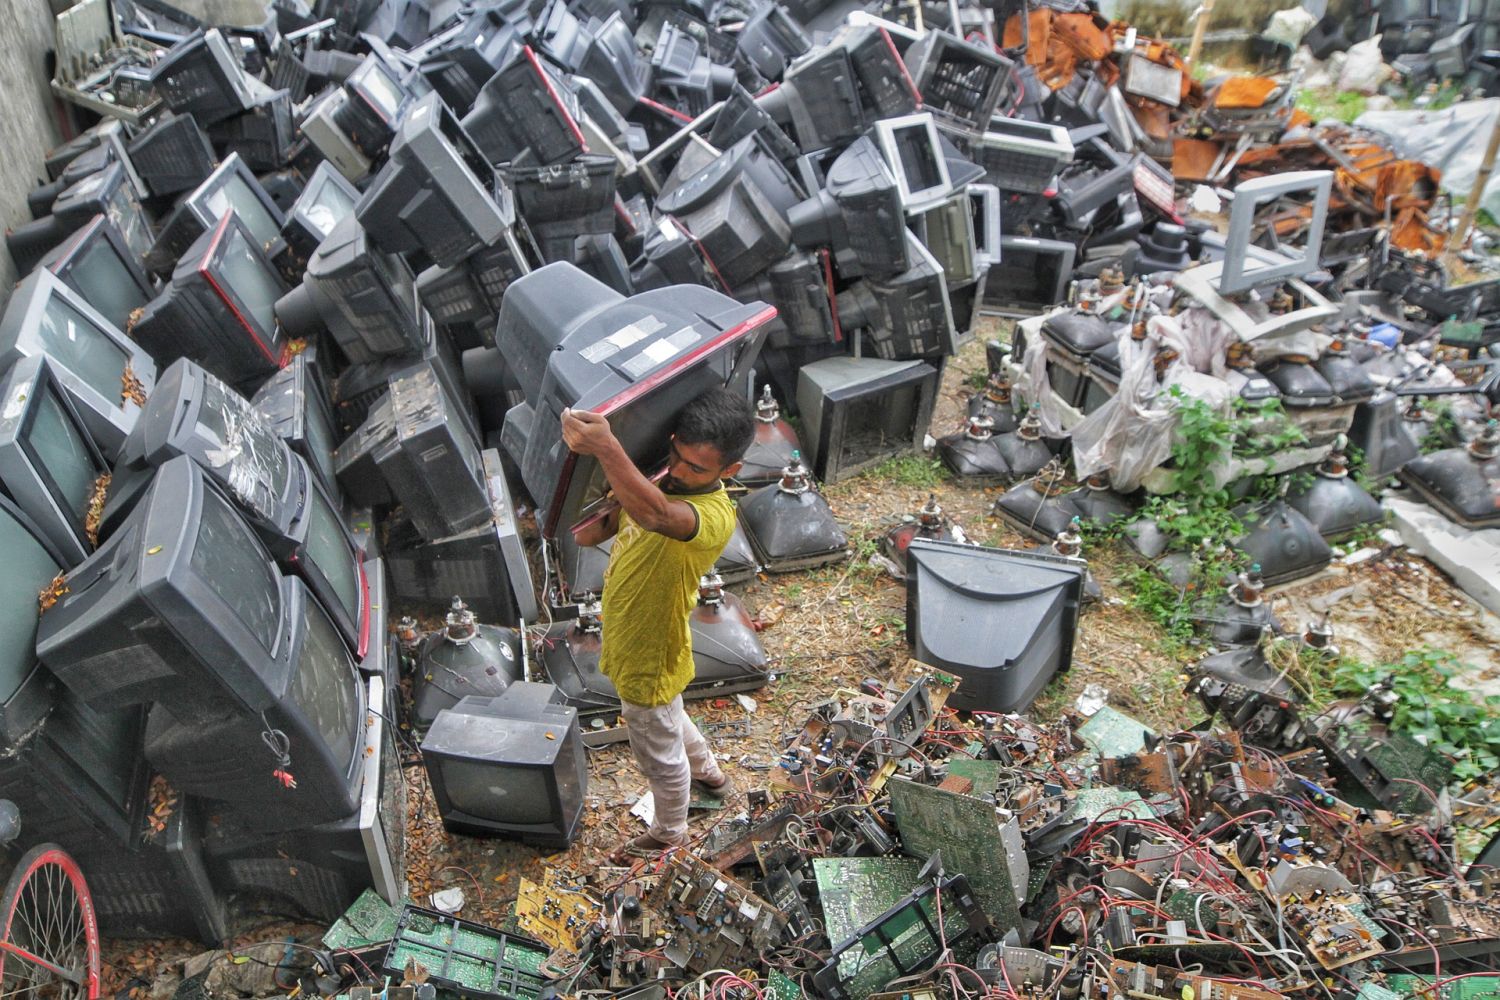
587 433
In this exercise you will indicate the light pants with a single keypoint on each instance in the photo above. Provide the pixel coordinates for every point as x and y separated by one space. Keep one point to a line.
671 752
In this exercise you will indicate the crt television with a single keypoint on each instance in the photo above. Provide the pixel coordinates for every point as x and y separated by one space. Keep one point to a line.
232 188
512 765
326 198
318 708
48 463
105 374
97 263
294 405
857 412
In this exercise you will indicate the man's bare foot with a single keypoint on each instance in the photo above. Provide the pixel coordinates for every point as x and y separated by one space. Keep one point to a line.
644 846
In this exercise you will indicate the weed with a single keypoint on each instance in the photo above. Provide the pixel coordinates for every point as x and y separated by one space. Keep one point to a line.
977 380
914 471
1345 105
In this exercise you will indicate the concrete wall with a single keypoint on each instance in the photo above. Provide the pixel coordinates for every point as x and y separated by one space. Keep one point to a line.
28 123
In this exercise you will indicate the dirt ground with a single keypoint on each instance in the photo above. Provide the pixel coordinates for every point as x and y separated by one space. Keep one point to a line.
832 627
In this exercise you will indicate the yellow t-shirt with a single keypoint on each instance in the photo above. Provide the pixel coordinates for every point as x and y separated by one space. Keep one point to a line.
650 589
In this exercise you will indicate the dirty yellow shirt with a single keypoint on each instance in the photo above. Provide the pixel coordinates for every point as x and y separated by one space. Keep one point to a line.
650 589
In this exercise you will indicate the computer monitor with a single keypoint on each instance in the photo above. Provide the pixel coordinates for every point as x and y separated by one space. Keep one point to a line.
182 606
857 412
318 708
947 231
173 155
48 463
376 97
220 308
232 188
97 264
105 374
201 76
512 765
574 342
294 405
326 198
1002 621
959 82
316 872
436 193
364 296
910 145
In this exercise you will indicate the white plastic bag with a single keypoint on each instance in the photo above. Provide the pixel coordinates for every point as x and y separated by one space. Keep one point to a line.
1364 70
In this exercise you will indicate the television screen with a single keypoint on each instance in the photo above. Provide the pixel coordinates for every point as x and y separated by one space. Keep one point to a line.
98 265
910 145
67 462
859 411
293 404
512 795
228 559
322 689
327 559
81 346
31 566
327 199
252 281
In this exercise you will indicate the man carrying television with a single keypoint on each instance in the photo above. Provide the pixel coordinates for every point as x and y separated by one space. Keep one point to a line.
665 539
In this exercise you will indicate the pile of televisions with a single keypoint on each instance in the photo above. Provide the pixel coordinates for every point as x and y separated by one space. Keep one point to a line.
289 341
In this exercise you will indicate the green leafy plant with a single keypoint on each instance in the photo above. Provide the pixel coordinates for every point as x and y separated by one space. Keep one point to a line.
1450 720
915 471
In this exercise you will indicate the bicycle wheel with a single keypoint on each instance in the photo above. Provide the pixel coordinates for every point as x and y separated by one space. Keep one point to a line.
50 944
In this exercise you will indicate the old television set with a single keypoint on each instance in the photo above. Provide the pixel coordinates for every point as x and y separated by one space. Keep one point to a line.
1002 621
1032 275
108 192
907 315
201 76
97 264
318 871
559 329
911 148
173 155
102 370
193 413
327 198
857 212
318 708
365 296
437 192
219 310
857 412
512 765
319 125
231 189
294 405
48 463
525 115
375 97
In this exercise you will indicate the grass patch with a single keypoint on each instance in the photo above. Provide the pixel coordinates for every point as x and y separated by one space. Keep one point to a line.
914 471
1344 105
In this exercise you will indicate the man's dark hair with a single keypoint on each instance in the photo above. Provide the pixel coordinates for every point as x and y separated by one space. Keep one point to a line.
722 418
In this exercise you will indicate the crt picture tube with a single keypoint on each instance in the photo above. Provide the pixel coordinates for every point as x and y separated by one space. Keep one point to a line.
82 348
326 687
228 558
28 569
55 441
509 795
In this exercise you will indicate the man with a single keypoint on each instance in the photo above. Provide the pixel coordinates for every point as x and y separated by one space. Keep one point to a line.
665 539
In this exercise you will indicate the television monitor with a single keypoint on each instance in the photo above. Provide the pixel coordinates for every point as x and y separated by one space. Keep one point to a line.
97 264
959 82
319 125
857 412
525 114
857 212
432 461
512 765
48 463
263 136
317 872
231 189
181 606
459 63
107 192
325 199
911 148
1031 276
907 315
375 98
574 342
173 155
27 691
1001 621
1249 197
364 296
104 372
318 709
436 193
294 405
201 76
219 310
819 98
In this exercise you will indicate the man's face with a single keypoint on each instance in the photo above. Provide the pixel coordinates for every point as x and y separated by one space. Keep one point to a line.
692 468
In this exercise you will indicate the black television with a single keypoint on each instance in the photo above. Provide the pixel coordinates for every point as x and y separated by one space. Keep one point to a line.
27 690
201 76
316 714
105 374
173 155
907 315
375 99
574 342
48 463
857 412
97 264
294 405
219 310
109 192
193 413
512 765
1002 621
232 188
524 115
325 199
436 193
1030 276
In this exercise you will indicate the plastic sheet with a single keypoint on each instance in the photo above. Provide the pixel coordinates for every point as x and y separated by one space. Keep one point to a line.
1452 140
